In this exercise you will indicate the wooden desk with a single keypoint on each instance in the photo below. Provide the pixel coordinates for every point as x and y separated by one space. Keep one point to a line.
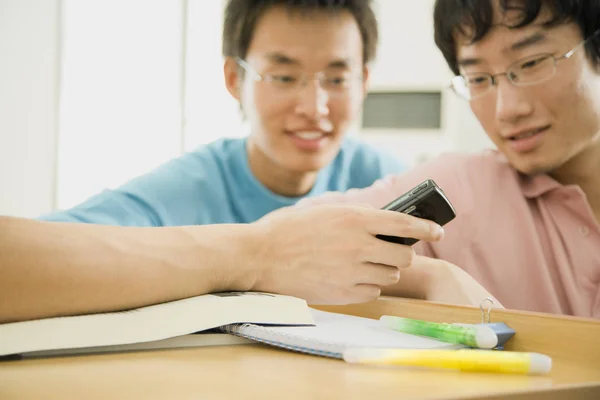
258 371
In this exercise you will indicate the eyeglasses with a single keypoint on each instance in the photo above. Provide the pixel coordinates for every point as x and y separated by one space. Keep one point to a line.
335 83
524 72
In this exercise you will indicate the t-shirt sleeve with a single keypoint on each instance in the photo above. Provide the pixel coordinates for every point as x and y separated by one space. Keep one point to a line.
360 164
390 164
169 195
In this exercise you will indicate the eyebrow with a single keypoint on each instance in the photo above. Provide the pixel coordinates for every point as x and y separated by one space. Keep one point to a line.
536 38
530 40
341 63
282 59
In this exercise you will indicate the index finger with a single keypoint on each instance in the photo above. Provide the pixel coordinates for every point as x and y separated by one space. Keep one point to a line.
394 223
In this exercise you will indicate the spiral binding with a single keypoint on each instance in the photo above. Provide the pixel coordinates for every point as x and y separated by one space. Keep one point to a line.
293 342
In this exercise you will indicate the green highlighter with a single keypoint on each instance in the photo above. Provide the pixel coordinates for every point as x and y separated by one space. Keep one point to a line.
478 336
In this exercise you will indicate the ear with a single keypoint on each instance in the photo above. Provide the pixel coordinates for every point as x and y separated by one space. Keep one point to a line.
232 77
365 81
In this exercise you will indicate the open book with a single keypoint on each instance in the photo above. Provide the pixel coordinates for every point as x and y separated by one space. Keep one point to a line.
242 317
158 326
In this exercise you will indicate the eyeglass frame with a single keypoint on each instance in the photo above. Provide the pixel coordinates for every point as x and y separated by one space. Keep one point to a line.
493 81
320 76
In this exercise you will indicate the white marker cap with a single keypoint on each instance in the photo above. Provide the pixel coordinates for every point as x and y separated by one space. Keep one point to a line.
539 363
486 337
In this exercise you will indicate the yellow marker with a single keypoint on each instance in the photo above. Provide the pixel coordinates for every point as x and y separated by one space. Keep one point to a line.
463 360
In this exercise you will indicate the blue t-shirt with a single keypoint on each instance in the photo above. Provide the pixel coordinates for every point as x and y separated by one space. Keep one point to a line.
214 184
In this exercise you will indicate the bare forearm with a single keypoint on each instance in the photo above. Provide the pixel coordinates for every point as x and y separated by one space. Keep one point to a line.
440 281
412 284
50 269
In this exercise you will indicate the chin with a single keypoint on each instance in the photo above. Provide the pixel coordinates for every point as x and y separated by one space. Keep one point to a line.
309 162
312 166
534 168
306 167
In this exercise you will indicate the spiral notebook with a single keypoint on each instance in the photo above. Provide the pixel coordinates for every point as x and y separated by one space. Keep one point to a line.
333 334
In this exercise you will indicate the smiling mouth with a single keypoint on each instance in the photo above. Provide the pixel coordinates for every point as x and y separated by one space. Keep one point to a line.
309 135
528 134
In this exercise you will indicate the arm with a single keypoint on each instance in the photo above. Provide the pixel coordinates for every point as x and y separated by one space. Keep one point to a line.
440 281
447 171
51 269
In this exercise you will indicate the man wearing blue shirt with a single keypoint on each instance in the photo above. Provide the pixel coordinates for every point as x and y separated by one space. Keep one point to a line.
299 71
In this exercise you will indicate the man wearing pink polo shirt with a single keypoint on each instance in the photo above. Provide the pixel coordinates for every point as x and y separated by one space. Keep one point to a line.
527 226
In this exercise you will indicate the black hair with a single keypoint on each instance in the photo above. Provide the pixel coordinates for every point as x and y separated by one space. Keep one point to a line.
241 17
474 18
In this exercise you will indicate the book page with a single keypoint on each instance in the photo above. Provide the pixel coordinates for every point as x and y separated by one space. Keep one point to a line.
358 332
151 323
334 333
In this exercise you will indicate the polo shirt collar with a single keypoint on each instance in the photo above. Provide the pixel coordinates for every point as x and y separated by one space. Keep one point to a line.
534 186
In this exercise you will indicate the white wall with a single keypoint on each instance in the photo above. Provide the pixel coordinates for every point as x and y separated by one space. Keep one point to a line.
29 53
408 57
206 98
122 92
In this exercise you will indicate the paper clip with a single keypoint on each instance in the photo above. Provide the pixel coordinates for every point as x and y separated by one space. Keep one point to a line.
503 331
485 314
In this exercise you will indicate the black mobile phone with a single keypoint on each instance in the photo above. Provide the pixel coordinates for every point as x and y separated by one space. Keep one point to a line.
428 201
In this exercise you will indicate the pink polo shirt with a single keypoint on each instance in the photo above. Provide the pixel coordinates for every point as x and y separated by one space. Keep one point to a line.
531 242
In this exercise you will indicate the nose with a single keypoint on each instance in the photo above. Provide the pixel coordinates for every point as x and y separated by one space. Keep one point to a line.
512 102
313 100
